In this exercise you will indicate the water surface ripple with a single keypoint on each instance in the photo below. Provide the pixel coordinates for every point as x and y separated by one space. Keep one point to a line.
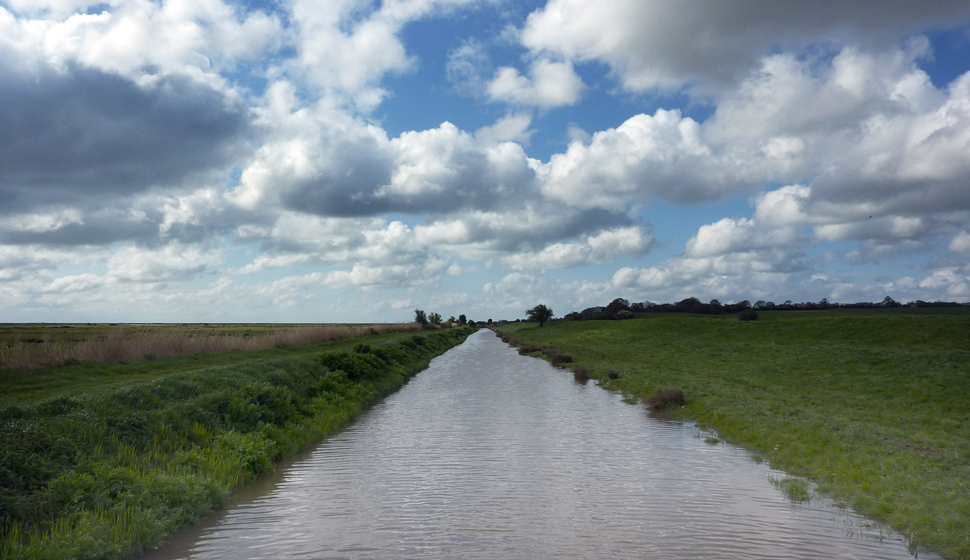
488 454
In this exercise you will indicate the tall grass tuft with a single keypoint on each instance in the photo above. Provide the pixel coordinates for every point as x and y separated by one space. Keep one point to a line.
581 375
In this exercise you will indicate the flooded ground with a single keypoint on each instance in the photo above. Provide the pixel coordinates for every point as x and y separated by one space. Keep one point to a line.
488 454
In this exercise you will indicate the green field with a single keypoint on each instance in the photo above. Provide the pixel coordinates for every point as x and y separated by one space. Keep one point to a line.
873 406
103 460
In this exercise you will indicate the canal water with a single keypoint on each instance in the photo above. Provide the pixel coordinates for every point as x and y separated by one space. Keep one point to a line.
488 454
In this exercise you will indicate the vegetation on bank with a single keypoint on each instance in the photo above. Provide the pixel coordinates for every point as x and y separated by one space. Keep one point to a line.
109 472
33 346
872 407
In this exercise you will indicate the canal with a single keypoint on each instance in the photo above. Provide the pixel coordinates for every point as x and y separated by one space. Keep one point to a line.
488 454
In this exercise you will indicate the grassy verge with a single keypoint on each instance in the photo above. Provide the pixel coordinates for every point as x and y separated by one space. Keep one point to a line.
110 472
873 408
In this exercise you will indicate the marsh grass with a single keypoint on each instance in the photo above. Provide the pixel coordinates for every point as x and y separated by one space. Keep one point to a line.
871 407
26 349
795 489
107 473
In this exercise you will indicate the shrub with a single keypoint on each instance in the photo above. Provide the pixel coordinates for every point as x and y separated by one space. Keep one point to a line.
560 359
613 374
665 398
748 315
581 375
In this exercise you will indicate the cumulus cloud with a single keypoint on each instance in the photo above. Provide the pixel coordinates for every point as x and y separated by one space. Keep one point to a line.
550 84
601 247
660 156
171 262
198 36
347 48
73 136
667 44
960 243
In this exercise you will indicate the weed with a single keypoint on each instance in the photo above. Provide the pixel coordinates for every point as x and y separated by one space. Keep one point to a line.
581 375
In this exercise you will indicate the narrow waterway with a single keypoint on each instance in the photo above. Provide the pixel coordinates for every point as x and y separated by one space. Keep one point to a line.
488 454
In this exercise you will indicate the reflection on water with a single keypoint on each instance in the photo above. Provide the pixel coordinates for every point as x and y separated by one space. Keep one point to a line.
488 454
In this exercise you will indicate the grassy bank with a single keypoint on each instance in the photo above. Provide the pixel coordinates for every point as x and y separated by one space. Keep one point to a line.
874 408
106 473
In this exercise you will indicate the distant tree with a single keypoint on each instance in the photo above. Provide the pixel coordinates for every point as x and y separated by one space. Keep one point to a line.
420 317
540 314
434 318
889 302
760 304
489 320
471 323
617 305
462 319
451 320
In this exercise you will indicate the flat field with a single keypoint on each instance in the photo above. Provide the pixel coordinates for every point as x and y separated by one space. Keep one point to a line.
872 406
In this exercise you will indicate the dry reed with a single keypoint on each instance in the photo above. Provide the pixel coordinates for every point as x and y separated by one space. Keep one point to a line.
158 343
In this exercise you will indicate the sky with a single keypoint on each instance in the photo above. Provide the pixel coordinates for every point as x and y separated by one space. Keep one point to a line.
353 160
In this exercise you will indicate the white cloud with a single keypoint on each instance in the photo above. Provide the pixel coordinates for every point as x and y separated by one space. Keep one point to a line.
550 84
663 156
960 243
597 248
668 44
171 262
511 127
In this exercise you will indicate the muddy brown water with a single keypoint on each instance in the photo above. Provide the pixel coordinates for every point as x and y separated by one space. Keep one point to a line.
488 454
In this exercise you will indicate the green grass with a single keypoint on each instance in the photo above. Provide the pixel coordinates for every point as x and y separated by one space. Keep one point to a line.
105 466
874 408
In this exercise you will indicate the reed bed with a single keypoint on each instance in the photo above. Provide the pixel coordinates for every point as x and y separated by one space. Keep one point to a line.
121 345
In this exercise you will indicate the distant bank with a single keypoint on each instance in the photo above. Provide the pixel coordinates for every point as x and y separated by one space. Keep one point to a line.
873 407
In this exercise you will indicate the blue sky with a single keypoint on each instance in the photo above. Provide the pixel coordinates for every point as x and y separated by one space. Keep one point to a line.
346 161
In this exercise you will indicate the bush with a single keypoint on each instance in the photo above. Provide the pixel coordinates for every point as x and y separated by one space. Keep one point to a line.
748 315
581 375
664 399
560 359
